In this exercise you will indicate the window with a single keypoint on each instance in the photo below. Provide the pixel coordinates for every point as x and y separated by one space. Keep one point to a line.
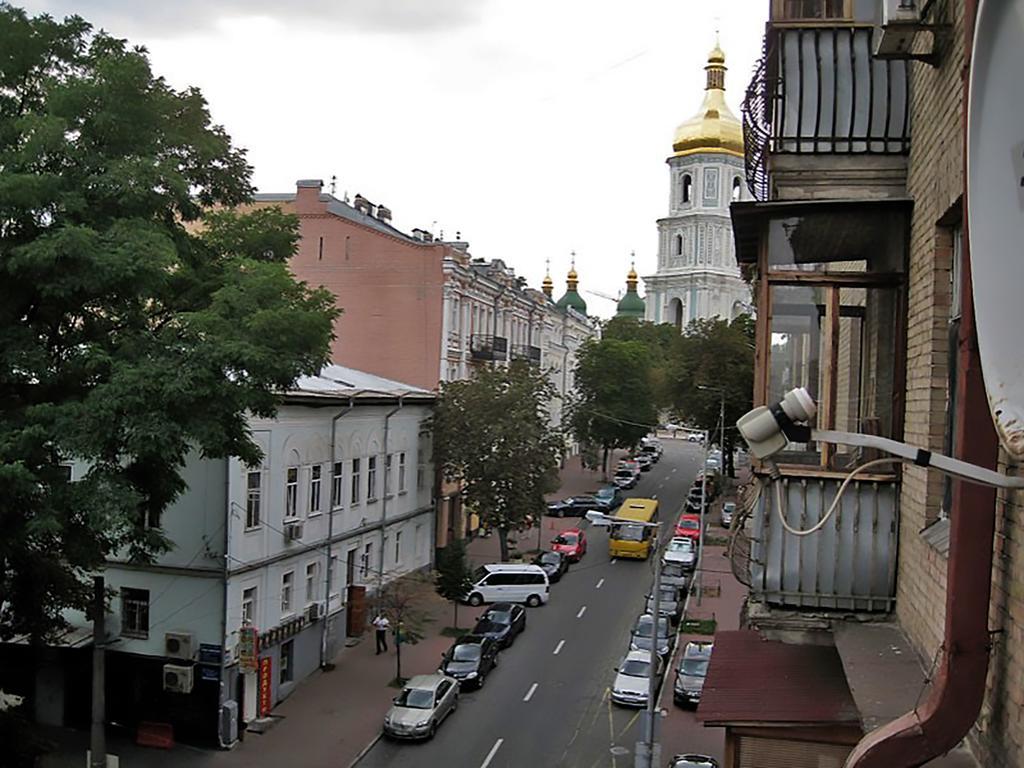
365 564
314 489
253 492
737 188
401 472
287 661
286 592
421 477
371 478
388 484
398 547
686 188
336 484
249 605
291 492
311 590
350 566
135 612
355 481
679 245
955 311
805 10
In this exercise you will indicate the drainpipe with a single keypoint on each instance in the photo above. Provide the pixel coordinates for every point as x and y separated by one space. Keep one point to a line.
225 692
325 633
384 500
959 688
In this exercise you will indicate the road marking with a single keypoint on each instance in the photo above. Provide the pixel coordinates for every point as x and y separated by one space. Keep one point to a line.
661 485
598 586
673 470
613 561
630 723
654 495
529 693
559 646
490 755
582 611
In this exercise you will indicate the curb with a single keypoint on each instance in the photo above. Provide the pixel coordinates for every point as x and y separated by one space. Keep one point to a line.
363 752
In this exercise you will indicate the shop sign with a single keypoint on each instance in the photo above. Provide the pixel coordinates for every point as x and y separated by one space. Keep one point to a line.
248 647
266 701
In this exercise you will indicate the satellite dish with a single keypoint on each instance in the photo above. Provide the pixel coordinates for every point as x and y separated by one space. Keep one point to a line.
995 210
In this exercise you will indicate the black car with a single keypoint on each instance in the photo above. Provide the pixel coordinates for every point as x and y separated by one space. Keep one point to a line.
502 622
575 506
470 660
554 564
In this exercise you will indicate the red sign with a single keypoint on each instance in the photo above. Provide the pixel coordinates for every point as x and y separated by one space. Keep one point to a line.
266 702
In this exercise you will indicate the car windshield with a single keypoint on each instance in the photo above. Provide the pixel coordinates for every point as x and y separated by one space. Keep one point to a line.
672 570
550 558
498 617
416 698
694 667
565 539
623 473
486 626
679 545
635 668
645 626
606 493
691 525
628 532
466 652
479 573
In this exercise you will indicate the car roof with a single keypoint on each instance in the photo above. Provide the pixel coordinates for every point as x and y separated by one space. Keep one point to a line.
698 649
637 656
425 682
511 567
502 607
469 640
575 531
689 516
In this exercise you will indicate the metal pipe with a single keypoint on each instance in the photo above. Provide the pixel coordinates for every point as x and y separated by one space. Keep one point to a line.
384 500
326 630
652 680
959 688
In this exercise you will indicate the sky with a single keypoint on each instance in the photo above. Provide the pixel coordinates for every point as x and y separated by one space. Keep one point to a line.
532 128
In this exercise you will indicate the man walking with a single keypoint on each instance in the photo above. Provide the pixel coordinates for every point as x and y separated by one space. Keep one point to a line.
381 624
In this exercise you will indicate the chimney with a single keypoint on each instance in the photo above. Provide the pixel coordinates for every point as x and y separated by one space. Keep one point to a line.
307 195
383 213
362 205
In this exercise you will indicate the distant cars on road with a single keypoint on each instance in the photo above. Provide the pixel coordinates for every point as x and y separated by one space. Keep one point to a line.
681 551
726 515
670 602
470 659
688 527
642 635
555 564
572 543
626 478
509 582
632 679
574 506
502 622
423 704
691 672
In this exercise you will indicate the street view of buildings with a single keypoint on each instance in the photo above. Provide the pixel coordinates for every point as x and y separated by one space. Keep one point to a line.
286 483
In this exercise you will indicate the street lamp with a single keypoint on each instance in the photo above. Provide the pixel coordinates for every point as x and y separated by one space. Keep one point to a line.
645 756
704 486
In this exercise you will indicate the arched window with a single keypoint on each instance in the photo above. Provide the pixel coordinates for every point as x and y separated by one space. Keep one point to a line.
737 188
679 245
686 188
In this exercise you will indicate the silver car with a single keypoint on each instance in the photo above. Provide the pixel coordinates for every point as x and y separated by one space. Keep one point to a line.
728 510
632 679
423 704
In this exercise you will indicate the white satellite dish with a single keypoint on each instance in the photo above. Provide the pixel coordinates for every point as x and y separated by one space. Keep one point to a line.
995 209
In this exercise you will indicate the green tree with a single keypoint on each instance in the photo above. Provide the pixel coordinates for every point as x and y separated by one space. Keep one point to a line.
130 334
400 600
714 360
614 406
493 433
660 340
454 576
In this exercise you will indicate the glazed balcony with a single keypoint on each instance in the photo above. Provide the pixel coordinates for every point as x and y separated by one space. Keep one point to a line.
487 347
526 352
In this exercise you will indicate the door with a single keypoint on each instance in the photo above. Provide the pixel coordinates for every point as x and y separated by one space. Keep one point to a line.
250 688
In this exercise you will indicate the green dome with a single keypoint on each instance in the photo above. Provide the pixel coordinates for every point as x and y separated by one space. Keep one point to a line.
631 305
574 300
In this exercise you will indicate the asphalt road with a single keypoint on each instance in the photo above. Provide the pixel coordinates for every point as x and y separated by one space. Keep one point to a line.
546 705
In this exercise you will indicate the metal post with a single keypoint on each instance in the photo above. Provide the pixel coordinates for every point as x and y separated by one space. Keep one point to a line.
98 735
703 506
325 633
644 757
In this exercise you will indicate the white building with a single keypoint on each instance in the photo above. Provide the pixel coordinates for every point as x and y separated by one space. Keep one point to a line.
697 275
285 552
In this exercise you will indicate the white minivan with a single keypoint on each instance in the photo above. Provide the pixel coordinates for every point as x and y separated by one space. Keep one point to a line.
508 583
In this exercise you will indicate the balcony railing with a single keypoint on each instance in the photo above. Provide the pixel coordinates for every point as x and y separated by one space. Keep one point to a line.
487 347
526 352
819 90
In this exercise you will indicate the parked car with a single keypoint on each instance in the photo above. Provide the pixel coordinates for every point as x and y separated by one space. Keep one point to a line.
631 463
640 638
572 543
632 679
726 515
694 437
692 761
681 551
423 704
644 461
652 448
671 427
688 526
608 498
625 478
712 463
691 672
670 602
470 660
674 574
574 506
502 622
509 582
555 564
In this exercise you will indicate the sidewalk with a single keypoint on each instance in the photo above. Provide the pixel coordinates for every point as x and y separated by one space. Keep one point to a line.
333 716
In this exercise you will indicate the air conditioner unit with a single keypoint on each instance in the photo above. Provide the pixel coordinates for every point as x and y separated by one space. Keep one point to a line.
177 679
315 612
901 21
292 531
179 645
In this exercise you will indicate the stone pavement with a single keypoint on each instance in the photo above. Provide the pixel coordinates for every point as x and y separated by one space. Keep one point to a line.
334 715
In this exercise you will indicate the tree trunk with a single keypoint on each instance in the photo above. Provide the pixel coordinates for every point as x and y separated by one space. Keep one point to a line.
455 603
727 463
604 463
398 653
503 543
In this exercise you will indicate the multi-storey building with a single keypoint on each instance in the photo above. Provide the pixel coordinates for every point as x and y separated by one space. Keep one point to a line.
867 643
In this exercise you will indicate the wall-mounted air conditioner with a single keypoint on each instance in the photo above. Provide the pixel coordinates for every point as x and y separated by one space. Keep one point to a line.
179 645
177 679
292 530
901 21
315 612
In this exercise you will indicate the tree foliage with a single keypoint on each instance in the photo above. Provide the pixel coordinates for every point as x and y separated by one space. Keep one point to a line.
614 405
129 333
493 433
454 575
401 600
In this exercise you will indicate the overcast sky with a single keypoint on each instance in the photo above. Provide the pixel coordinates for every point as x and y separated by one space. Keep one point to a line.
532 127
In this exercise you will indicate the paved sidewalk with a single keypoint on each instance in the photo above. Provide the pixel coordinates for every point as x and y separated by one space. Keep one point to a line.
333 716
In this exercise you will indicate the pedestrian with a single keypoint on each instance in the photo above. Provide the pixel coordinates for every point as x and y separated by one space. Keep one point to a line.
381 624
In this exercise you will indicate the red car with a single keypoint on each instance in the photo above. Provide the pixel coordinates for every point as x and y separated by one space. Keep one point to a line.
572 543
688 526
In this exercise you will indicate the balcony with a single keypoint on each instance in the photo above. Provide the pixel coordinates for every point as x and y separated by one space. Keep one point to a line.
487 347
526 352
824 118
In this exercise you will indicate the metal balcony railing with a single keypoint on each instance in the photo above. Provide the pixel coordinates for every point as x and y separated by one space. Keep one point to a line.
757 128
526 352
487 347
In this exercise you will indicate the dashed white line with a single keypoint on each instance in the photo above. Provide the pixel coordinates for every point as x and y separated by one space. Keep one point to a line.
654 495
559 647
599 584
529 693
613 561
490 755
582 611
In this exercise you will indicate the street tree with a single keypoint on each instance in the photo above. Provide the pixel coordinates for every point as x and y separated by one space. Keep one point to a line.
614 406
659 340
454 575
401 600
714 363
493 434
131 333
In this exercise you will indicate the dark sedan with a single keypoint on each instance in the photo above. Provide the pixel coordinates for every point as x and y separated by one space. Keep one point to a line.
502 622
470 660
575 506
555 564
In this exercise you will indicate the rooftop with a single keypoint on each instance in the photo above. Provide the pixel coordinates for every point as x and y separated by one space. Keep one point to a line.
340 381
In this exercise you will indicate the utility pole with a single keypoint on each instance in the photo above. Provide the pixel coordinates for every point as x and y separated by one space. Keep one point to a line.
98 734
703 507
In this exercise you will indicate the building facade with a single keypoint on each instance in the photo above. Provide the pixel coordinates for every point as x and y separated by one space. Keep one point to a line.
697 276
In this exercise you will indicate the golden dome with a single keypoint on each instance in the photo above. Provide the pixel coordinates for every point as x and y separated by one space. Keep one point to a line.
632 276
714 128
